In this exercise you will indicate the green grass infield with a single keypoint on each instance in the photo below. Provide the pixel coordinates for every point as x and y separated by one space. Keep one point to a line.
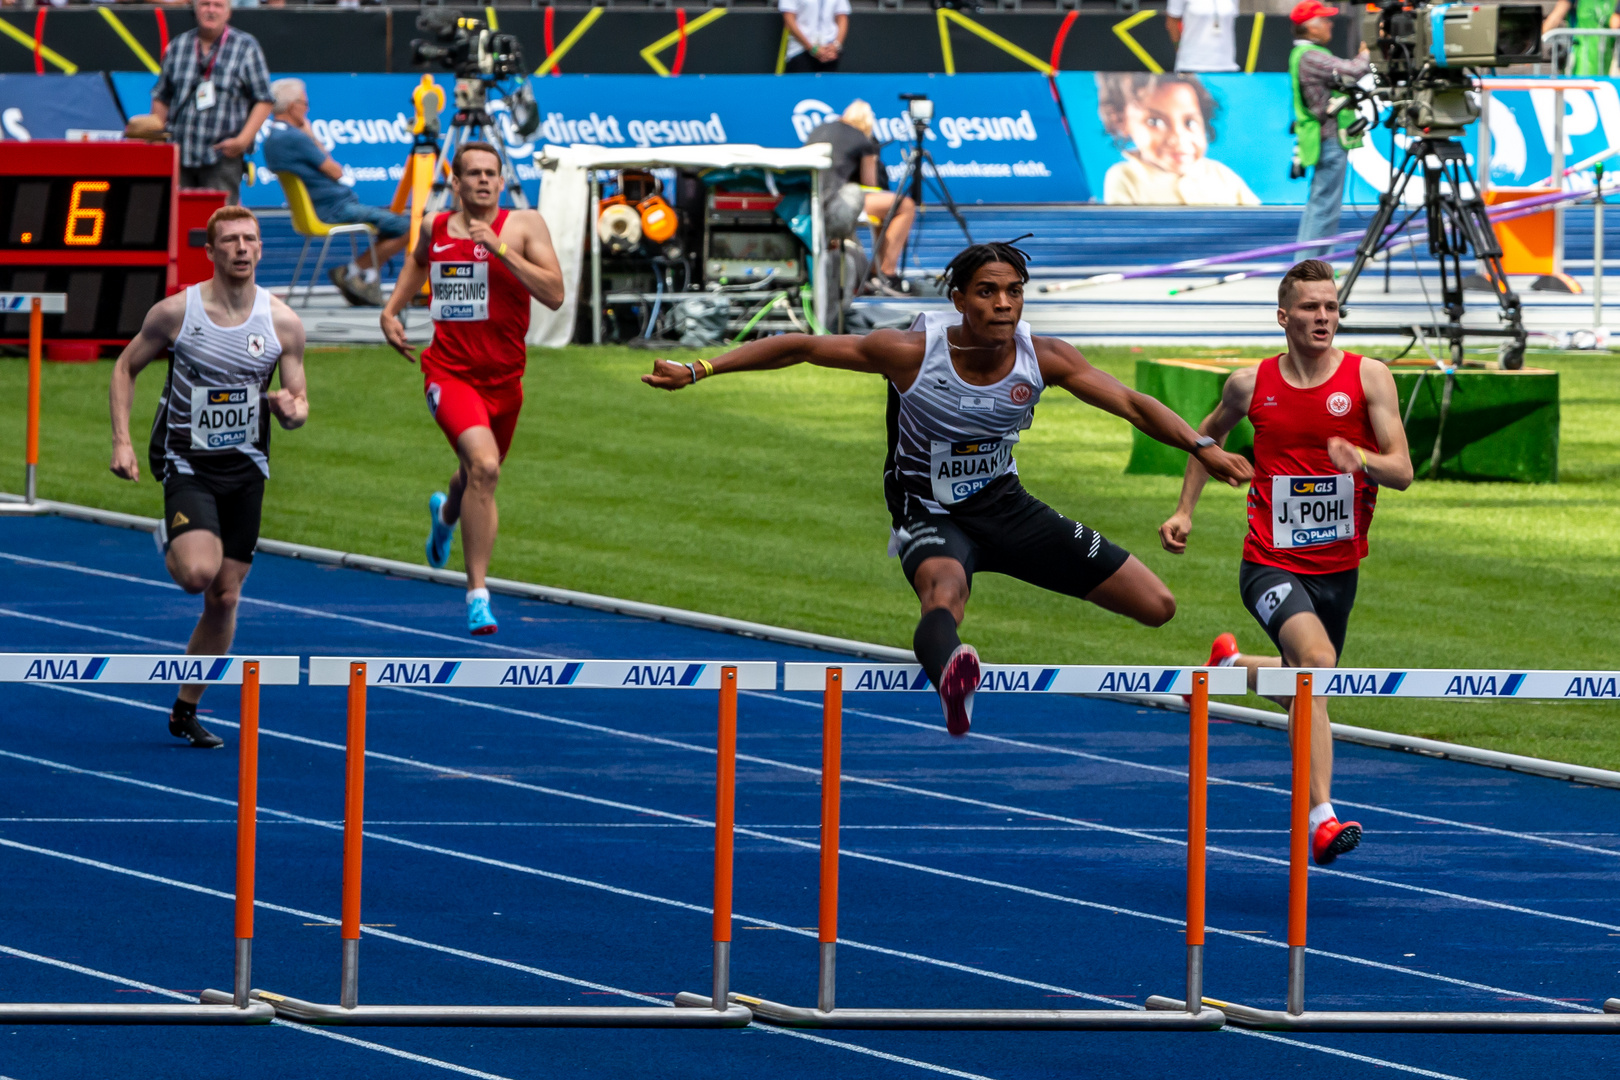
759 497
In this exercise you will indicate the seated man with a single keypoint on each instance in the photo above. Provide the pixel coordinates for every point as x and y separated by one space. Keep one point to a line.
855 160
291 146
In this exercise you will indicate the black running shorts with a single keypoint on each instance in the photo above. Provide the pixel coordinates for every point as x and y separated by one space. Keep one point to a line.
229 509
1274 595
1006 530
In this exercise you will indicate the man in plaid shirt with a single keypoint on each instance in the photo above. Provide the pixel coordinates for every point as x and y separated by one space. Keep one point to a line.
213 93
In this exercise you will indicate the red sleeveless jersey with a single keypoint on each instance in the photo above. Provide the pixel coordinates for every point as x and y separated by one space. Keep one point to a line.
1304 514
480 310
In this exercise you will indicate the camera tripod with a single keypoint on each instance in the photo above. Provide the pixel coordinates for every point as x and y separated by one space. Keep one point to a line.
912 178
1457 223
472 123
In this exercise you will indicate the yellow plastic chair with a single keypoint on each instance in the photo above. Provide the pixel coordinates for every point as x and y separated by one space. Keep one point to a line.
307 223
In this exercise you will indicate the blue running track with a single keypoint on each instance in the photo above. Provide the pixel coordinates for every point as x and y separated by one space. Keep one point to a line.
555 848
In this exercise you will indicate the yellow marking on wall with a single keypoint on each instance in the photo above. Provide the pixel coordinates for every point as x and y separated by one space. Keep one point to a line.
46 51
781 53
568 42
945 43
947 14
1254 43
1122 30
489 17
650 53
129 39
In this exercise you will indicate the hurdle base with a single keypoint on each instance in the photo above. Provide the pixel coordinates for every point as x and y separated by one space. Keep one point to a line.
608 1016
1479 1022
772 1012
223 1012
1612 1005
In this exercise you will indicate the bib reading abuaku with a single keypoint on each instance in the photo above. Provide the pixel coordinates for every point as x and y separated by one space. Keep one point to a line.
224 417
460 291
1311 510
961 468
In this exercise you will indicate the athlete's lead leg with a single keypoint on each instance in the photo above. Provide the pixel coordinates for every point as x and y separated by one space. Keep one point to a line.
1305 644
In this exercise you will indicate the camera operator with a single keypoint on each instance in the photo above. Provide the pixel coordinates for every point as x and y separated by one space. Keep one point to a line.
1319 135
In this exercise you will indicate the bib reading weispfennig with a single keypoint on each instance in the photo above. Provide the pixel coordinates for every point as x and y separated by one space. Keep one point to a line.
1311 510
460 291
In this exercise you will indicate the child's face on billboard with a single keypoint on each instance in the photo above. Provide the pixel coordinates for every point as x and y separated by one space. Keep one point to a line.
1167 128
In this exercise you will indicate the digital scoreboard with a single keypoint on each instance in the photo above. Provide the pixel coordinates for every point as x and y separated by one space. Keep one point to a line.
98 221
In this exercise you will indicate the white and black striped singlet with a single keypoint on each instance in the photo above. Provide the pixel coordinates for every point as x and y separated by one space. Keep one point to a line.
213 417
951 437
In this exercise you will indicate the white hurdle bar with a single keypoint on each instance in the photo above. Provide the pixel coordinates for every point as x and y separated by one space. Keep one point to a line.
78 669
1302 684
358 673
834 681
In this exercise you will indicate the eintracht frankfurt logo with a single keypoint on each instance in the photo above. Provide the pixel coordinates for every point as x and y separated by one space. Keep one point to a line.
1021 393
480 251
1338 404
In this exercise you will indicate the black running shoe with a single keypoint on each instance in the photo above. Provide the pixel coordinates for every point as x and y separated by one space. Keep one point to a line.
186 727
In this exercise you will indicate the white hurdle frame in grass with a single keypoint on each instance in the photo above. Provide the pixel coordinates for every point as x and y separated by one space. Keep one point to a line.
359 673
1465 685
834 680
85 669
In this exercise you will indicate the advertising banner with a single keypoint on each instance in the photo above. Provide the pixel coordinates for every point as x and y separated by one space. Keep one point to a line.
58 107
994 139
1223 140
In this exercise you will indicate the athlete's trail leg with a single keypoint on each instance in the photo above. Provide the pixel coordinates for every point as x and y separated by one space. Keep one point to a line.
942 591
1305 644
1136 592
452 499
481 465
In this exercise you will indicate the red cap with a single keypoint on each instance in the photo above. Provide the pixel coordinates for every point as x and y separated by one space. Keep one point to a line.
1306 10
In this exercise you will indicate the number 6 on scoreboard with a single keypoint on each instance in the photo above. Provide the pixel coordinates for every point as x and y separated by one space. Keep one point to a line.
95 215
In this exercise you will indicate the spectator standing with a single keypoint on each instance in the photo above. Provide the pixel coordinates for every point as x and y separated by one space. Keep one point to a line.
214 95
292 146
816 32
1320 139
1204 33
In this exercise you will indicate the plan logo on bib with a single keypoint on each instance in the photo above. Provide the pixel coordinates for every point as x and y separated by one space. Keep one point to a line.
1339 403
255 345
1021 393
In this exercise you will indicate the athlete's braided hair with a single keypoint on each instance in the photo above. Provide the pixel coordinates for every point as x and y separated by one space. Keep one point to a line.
958 273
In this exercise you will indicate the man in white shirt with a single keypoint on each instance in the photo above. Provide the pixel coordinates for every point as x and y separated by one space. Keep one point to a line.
1205 34
816 30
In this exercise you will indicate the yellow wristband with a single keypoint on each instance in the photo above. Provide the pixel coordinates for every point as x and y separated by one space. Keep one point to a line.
501 250
1363 454
708 368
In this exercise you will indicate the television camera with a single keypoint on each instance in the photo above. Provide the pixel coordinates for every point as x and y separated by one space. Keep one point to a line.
465 46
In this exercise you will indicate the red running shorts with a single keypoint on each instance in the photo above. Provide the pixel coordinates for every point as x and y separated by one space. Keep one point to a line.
457 406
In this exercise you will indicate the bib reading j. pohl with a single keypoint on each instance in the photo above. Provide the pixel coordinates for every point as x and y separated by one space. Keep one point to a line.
1311 510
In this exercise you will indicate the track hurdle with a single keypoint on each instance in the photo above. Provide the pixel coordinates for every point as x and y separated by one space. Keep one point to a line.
83 670
1302 683
834 681
535 675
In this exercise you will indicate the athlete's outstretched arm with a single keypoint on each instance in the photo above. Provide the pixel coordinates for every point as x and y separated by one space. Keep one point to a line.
411 278
1392 465
882 352
528 254
291 402
1233 406
158 331
1062 365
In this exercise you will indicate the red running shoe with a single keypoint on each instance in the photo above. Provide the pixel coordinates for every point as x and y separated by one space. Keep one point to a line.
1333 839
956 685
1223 646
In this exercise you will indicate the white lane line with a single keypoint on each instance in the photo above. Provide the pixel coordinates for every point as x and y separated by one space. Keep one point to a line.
466 955
296 609
1181 774
93 629
79 969
631 894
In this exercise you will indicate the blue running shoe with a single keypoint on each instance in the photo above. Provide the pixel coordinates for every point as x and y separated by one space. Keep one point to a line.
439 534
480 620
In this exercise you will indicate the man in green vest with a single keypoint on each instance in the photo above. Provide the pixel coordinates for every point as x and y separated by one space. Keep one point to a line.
1589 54
1322 146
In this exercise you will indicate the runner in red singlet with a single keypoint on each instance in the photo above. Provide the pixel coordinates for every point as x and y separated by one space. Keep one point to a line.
483 263
1327 436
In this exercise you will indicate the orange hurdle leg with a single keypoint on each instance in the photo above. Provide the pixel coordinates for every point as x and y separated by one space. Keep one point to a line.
36 346
1299 846
1197 808
725 800
832 741
354 817
247 812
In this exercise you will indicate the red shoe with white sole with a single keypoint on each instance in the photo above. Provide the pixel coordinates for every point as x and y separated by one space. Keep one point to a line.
956 685
1333 839
1223 646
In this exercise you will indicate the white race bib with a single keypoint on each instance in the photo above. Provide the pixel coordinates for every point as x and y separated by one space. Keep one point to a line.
1311 510
960 469
223 417
206 98
460 291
